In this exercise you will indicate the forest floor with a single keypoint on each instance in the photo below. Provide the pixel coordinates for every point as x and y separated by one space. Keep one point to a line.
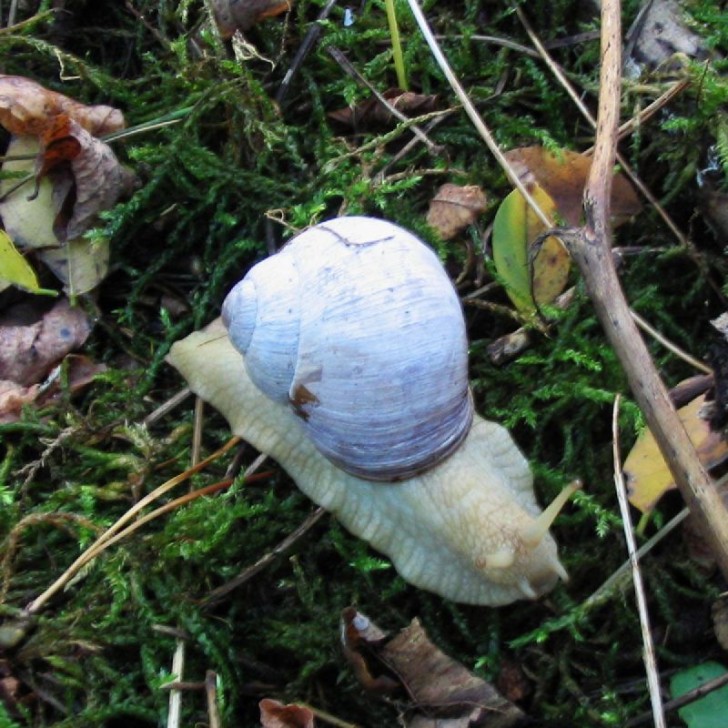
234 141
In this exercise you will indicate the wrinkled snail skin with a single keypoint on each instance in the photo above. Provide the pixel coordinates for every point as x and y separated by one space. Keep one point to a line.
467 528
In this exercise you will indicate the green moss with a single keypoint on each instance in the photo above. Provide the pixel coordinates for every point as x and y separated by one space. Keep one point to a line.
99 653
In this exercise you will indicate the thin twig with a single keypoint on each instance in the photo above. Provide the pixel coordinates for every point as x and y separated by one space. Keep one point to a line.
653 677
472 112
217 594
670 346
349 67
166 407
618 579
560 76
213 712
690 697
303 50
14 28
99 545
199 420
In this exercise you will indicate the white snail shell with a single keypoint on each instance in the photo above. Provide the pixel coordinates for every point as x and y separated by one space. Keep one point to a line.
356 325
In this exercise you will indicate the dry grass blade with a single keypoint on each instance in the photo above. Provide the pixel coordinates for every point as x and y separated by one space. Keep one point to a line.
104 540
653 678
618 580
472 112
670 346
175 696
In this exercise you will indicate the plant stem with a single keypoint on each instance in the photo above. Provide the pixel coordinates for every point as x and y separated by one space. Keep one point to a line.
396 45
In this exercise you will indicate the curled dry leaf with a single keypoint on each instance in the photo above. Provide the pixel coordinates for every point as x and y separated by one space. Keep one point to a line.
233 15
646 473
26 108
372 111
83 178
442 691
358 636
33 338
13 397
95 183
79 373
454 207
277 715
84 182
563 178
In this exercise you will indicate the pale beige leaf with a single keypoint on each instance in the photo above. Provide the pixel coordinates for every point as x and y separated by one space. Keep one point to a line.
29 222
80 265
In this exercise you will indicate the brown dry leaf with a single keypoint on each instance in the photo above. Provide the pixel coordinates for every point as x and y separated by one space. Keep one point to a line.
277 715
647 475
454 207
233 15
372 111
12 398
59 143
358 636
512 682
26 107
443 692
563 178
79 373
78 177
34 339
95 183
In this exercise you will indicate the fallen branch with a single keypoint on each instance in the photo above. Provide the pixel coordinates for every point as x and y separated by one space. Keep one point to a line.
590 247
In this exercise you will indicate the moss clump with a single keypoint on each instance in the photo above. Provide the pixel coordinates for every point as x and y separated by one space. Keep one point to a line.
214 185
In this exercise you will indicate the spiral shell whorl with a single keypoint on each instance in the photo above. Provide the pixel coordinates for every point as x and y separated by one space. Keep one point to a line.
356 323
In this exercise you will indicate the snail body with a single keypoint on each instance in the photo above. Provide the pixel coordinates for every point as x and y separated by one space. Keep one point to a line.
354 372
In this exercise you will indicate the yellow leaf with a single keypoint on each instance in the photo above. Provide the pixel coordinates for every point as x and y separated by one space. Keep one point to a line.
14 268
645 470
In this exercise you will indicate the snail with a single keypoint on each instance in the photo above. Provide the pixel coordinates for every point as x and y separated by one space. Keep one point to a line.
345 359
